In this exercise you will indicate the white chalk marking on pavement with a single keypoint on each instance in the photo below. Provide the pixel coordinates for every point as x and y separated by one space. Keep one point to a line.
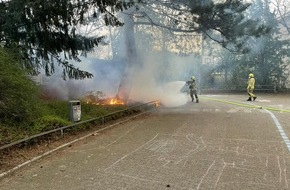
232 110
205 175
137 178
285 172
265 176
263 100
130 153
280 129
220 174
61 147
121 136
280 170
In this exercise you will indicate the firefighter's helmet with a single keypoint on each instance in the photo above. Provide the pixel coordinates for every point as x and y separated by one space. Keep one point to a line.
251 75
192 77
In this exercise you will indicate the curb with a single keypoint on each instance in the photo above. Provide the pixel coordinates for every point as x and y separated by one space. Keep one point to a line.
10 171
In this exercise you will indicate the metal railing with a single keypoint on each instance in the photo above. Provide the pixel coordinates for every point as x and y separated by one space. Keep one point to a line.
61 129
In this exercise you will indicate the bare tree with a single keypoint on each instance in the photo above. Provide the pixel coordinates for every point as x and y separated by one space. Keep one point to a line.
282 11
184 22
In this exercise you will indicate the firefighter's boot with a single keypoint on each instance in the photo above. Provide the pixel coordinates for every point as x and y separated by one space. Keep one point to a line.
255 98
197 100
249 99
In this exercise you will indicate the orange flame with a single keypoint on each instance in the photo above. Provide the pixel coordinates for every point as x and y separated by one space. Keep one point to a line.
156 103
116 101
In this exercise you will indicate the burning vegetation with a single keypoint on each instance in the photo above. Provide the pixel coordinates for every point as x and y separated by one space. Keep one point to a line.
100 98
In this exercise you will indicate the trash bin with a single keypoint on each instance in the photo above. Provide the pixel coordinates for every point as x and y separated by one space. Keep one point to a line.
75 110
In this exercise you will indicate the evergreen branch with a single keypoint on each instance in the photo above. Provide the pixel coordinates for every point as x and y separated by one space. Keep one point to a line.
224 45
69 70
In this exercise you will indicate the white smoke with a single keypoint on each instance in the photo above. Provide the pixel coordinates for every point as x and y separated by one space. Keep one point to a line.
155 81
159 76
106 79
169 94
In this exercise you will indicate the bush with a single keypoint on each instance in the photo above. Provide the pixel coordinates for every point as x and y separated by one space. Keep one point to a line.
56 107
18 95
23 113
47 123
9 134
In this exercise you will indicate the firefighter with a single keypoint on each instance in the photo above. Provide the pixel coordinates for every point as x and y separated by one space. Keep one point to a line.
192 89
250 88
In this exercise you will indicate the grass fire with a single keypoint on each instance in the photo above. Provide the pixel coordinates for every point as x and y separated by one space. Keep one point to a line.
99 98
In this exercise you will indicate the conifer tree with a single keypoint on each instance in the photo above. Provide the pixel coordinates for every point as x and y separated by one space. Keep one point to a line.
44 31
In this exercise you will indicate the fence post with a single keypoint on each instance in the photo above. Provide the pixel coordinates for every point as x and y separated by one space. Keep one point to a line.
61 133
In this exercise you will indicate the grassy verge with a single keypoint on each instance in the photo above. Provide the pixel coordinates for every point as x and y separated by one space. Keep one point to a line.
54 114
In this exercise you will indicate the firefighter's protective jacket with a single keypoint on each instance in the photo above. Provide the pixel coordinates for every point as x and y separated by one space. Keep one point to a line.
251 83
192 85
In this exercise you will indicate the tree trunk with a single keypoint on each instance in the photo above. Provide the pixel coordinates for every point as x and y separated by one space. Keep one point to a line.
130 60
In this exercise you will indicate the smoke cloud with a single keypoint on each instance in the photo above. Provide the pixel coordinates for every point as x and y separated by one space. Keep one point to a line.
163 80
158 75
107 75
156 79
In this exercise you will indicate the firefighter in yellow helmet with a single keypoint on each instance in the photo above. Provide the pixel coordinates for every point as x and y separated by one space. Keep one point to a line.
250 88
193 89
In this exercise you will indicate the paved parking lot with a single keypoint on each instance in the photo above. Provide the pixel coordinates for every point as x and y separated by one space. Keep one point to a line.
221 143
